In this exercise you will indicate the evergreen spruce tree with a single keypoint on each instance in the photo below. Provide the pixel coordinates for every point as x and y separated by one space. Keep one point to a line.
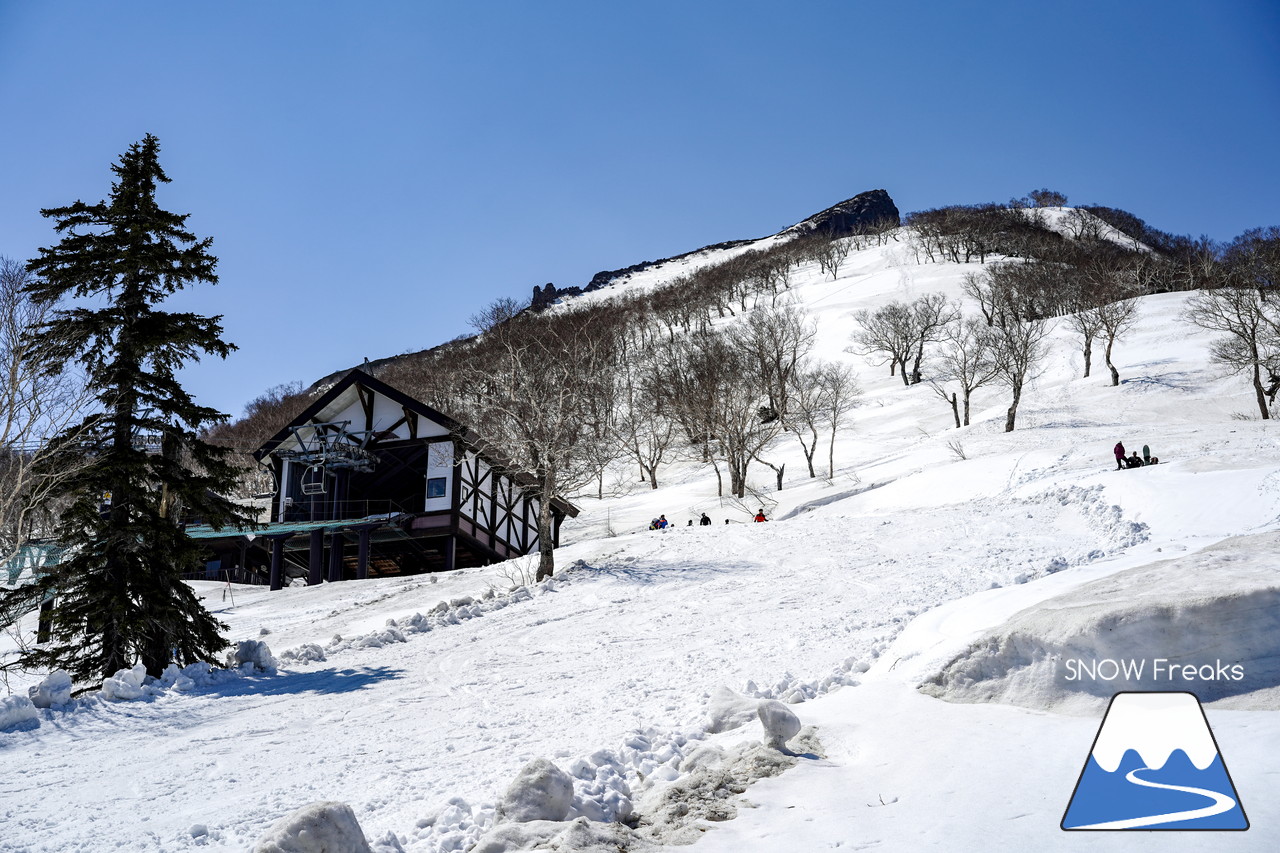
118 595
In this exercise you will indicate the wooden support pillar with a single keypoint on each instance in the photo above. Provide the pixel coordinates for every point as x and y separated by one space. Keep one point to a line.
44 630
277 562
337 541
362 563
449 549
315 553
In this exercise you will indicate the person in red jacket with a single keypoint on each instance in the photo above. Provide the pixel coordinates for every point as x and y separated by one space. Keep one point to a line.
760 515
1119 455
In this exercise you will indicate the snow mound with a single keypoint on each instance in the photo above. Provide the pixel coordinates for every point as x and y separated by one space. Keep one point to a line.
708 790
125 685
1208 623
15 710
306 653
541 791
325 827
580 836
727 710
445 613
55 689
252 656
780 724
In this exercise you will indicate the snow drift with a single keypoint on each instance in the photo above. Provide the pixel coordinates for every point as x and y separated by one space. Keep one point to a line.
1208 623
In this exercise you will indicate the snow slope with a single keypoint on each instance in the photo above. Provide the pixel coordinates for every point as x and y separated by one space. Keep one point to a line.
912 565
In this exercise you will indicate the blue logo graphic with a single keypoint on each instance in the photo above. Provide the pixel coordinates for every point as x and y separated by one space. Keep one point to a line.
1155 765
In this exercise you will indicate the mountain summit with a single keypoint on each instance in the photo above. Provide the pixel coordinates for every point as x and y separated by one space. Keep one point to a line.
848 217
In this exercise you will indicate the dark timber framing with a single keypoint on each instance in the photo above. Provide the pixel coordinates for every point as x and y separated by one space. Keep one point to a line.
488 512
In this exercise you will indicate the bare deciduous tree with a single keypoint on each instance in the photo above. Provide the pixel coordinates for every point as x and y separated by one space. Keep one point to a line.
967 358
722 404
1251 326
774 341
34 404
1087 324
532 385
1044 197
645 424
831 254
494 314
1115 319
840 395
1018 348
930 316
897 332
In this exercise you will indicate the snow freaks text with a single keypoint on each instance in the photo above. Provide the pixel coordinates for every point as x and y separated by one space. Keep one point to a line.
1155 669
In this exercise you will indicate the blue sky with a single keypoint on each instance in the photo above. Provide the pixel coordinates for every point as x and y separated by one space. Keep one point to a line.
374 173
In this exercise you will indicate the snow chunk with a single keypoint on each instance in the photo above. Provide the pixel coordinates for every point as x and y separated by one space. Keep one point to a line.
780 724
188 677
125 685
15 710
54 690
253 652
579 835
727 710
541 791
324 827
306 653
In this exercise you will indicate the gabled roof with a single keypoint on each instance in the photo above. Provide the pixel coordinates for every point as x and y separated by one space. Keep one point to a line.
364 380
361 379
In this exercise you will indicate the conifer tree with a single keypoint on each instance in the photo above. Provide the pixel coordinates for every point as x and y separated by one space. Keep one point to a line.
118 594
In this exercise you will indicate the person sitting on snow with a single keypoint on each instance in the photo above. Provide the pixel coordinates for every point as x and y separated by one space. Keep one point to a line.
760 515
662 522
705 521
1134 461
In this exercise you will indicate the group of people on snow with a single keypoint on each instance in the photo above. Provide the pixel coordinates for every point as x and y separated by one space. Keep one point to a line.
1133 460
661 523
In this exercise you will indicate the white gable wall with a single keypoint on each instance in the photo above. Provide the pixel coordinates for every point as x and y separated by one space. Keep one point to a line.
440 464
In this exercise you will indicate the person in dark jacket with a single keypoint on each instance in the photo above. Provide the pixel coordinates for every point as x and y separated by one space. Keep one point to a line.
705 521
1119 451
1134 461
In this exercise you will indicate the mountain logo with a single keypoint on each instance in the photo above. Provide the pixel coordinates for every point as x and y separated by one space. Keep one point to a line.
1154 765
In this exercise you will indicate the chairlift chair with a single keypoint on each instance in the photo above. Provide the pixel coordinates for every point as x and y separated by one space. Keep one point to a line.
313 486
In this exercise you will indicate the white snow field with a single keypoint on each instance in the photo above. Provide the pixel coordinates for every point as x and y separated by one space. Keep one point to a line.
918 612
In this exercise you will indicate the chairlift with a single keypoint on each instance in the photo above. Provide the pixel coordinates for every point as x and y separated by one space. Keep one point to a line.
313 486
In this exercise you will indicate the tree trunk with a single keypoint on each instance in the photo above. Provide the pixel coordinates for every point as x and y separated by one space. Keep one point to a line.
967 392
1260 392
546 543
1013 409
1088 357
809 451
831 454
955 409
915 368
1115 374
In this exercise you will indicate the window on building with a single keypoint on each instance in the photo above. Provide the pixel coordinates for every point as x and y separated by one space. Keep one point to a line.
435 487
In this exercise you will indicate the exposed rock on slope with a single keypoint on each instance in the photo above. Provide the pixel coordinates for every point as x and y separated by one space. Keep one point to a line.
851 215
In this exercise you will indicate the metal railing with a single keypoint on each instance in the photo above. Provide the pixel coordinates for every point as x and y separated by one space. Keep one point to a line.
328 510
